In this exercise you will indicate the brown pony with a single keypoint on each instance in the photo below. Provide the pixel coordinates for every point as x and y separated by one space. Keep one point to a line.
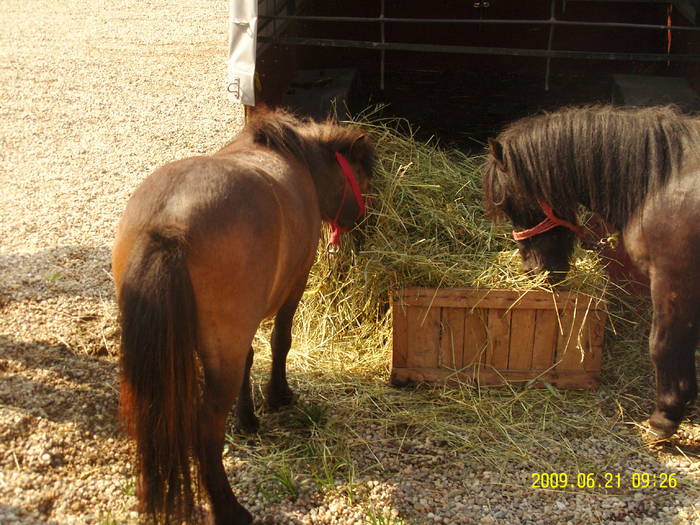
208 247
639 169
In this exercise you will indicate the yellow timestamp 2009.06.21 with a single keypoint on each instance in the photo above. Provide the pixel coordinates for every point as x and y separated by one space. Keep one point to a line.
607 480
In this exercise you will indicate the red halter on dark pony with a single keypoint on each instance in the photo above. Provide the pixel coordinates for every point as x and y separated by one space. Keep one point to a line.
335 228
549 222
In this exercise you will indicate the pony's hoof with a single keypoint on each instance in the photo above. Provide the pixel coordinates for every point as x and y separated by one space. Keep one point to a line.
247 425
661 426
243 517
239 515
277 400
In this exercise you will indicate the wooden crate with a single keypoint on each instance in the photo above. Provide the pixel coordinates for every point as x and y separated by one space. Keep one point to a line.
497 336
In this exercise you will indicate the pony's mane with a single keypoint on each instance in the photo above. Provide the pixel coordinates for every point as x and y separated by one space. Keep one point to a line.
604 157
305 138
279 130
349 140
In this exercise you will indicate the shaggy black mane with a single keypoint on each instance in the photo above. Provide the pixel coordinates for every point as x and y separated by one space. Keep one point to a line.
607 158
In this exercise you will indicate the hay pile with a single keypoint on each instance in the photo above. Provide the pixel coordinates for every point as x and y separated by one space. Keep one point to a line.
425 227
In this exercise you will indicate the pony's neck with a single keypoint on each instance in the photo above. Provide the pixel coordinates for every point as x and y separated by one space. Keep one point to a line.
323 166
327 178
312 145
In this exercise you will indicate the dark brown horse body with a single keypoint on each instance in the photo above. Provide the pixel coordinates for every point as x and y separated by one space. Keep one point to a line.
640 170
207 248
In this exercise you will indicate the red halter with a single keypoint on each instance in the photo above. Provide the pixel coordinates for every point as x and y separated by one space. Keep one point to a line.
549 222
335 228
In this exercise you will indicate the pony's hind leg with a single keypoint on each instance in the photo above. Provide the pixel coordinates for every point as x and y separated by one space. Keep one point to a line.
674 335
246 420
278 392
221 389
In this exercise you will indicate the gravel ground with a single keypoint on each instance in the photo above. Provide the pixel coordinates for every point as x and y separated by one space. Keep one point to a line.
94 96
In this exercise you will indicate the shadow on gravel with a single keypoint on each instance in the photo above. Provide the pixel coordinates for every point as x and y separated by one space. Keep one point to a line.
50 381
64 270
13 514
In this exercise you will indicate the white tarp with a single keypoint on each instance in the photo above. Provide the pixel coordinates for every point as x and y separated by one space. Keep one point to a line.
242 32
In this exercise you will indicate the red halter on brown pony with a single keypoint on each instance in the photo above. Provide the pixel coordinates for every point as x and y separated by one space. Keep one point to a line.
336 229
550 221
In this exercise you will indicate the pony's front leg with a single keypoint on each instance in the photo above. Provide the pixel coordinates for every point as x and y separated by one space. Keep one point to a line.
278 392
674 335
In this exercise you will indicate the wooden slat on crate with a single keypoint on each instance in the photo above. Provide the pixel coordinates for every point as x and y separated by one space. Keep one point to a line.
545 340
595 335
571 353
577 380
423 335
470 298
452 340
499 338
521 345
399 332
475 337
568 356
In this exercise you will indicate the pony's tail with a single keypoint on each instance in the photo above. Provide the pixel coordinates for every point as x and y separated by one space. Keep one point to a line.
160 391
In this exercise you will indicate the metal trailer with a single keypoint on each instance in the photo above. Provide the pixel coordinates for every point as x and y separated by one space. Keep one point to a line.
272 39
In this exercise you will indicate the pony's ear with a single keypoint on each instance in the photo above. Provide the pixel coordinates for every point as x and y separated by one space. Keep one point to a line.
359 145
354 148
496 151
362 151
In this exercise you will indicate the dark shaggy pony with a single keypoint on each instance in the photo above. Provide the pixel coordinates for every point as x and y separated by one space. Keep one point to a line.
640 170
206 248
